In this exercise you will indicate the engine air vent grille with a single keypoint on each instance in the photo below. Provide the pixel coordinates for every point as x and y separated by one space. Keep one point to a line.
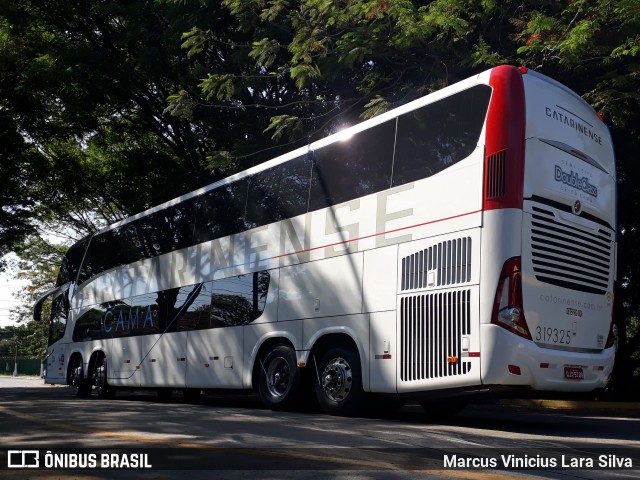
568 256
431 330
496 175
450 262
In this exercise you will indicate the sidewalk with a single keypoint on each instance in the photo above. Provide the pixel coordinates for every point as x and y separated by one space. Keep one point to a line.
573 405
21 381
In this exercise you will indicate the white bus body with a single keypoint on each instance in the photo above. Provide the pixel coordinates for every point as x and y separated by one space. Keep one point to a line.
491 266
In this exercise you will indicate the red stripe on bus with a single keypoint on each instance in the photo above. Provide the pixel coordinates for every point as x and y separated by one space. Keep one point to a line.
378 234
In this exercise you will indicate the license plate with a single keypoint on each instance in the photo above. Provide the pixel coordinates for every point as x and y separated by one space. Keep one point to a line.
573 373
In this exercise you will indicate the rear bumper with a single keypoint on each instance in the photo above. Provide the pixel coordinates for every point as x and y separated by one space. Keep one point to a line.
540 368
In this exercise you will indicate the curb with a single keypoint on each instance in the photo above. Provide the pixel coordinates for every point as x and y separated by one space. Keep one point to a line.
577 405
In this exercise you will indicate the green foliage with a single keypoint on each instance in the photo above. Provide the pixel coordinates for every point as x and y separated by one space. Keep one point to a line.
218 87
282 124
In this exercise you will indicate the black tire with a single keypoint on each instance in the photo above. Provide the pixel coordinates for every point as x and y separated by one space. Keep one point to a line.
340 389
164 394
279 383
191 394
103 389
78 379
443 409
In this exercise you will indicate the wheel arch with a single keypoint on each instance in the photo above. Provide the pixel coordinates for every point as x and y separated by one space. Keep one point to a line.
95 355
326 339
261 349
71 362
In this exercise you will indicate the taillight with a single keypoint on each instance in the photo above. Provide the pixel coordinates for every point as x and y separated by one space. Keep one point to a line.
508 311
612 339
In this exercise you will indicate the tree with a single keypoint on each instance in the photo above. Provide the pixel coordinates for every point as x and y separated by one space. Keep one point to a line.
82 99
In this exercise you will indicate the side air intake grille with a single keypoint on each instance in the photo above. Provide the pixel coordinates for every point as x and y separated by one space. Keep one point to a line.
496 175
570 257
450 262
431 327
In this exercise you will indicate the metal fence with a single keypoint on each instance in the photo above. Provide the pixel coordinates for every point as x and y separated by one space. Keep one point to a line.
25 366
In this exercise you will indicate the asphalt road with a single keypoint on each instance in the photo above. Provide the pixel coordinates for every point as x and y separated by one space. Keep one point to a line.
234 437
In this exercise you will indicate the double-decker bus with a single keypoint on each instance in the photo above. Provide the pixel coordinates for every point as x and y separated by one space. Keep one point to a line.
461 243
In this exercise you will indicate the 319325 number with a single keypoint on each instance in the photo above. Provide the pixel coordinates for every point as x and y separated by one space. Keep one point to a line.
553 335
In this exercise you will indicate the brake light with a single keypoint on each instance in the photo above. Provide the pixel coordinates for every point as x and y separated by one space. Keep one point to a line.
612 339
508 311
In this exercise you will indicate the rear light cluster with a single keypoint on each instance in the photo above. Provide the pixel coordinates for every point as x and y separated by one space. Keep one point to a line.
508 311
612 339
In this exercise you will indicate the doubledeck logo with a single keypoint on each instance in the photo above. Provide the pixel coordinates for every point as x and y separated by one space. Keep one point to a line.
572 179
23 459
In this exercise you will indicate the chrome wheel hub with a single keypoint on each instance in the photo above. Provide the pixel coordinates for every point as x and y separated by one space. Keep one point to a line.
278 377
337 379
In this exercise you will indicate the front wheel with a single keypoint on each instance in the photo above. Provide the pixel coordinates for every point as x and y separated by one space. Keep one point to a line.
279 382
339 390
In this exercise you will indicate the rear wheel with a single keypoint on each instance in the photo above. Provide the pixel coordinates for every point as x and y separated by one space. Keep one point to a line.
164 394
339 390
279 382
78 379
103 389
191 394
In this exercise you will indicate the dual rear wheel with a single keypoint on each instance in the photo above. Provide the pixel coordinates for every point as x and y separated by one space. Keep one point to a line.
97 377
337 382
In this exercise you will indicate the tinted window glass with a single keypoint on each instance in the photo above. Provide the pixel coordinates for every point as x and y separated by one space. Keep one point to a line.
279 192
352 168
173 304
196 307
71 262
262 199
440 134
166 230
102 254
220 212
89 326
220 303
59 313
135 316
161 232
238 300
293 198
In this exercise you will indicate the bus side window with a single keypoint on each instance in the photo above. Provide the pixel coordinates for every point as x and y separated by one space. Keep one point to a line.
59 313
440 134
293 195
263 197
353 167
239 300
220 212
89 326
194 303
278 193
